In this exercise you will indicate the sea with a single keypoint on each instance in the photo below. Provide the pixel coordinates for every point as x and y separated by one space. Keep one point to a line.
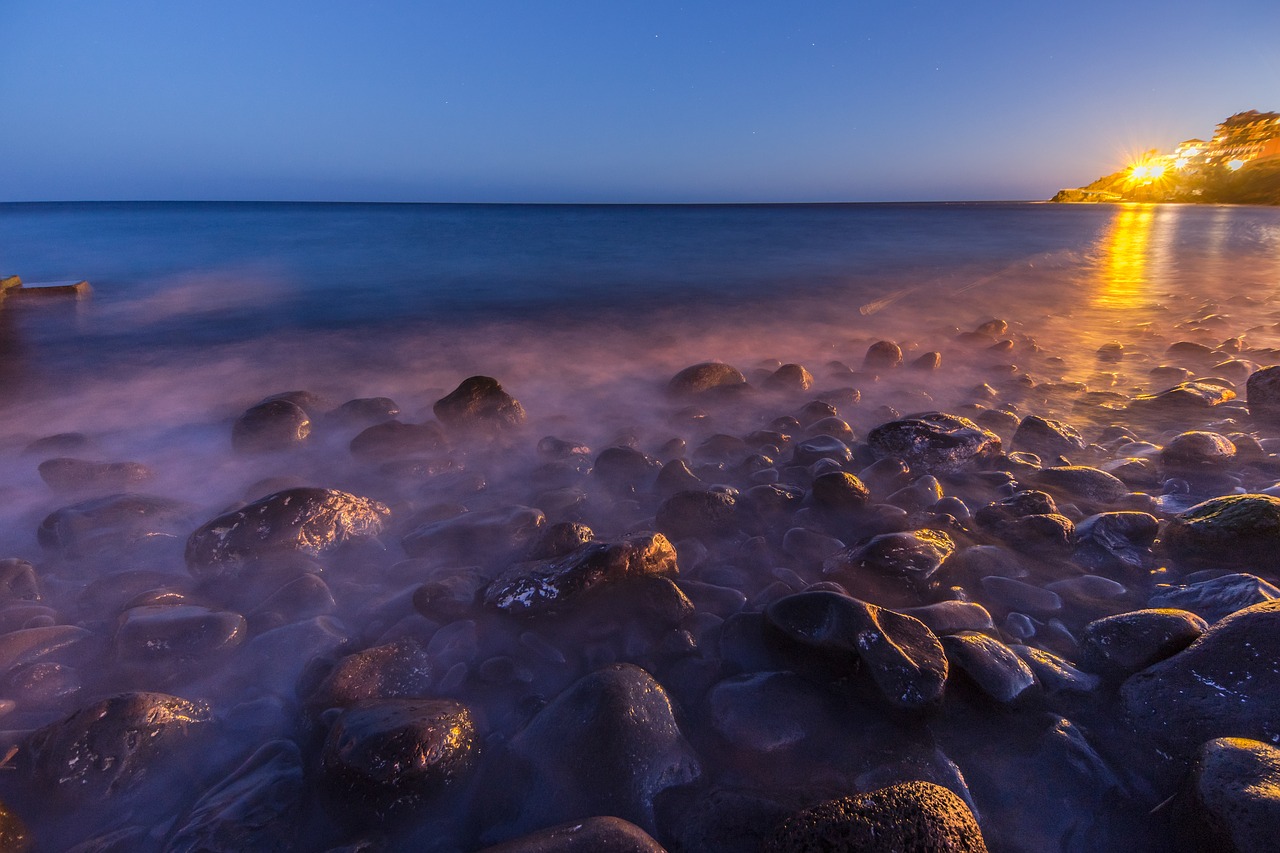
583 313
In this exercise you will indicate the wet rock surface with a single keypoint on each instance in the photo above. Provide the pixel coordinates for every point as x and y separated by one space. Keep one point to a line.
680 620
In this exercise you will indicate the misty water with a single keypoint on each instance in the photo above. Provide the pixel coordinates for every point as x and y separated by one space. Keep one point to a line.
583 314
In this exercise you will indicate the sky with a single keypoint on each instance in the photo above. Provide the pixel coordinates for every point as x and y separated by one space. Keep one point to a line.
611 100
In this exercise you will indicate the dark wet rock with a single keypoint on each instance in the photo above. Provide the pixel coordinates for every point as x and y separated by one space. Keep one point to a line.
18 581
820 447
109 746
257 807
912 816
547 585
1048 534
1047 438
935 442
1116 541
477 536
607 745
1012 594
395 440
698 514
479 404
1111 352
625 470
148 635
902 657
14 836
1263 393
1184 398
1054 674
991 665
397 670
305 520
1225 683
559 540
910 557
882 355
948 617
393 754
885 475
838 491
66 474
927 361
592 835
1231 799
674 477
701 378
1128 642
1189 349
1197 451
1216 598
1025 502
814 411
366 410
113 521
1233 531
269 426
1081 483
274 659
770 505
765 712
789 377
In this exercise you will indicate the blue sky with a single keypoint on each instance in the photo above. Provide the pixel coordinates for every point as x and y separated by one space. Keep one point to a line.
610 101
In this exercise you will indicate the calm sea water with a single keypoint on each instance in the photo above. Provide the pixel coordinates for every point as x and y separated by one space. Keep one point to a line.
215 272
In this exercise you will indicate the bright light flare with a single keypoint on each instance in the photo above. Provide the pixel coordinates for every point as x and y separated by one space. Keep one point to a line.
1234 165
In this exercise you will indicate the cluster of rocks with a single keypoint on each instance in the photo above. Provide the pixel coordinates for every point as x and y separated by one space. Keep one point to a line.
788 619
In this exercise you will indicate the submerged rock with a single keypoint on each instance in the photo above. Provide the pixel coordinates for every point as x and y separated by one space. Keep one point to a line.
477 536
911 816
935 442
1128 642
109 522
305 520
392 439
479 404
607 745
257 807
1263 394
65 474
546 585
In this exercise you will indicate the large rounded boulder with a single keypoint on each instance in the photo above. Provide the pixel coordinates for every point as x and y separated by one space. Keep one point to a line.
1233 531
935 442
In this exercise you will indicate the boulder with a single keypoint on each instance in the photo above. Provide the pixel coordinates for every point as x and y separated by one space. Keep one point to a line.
270 425
935 443
1081 484
303 520
1047 438
1128 642
991 665
902 657
1216 598
608 745
546 585
66 474
1231 799
1263 394
882 355
698 513
1232 531
111 522
396 670
911 816
111 745
698 379
592 835
479 404
475 537
392 439
910 558
390 755
1223 684
1186 398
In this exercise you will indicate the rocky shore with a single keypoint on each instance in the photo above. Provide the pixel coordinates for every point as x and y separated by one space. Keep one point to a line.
941 599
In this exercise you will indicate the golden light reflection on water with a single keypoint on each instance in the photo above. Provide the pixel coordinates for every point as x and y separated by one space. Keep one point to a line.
1124 256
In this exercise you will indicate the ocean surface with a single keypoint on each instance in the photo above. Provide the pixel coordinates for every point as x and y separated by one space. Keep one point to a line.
583 313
